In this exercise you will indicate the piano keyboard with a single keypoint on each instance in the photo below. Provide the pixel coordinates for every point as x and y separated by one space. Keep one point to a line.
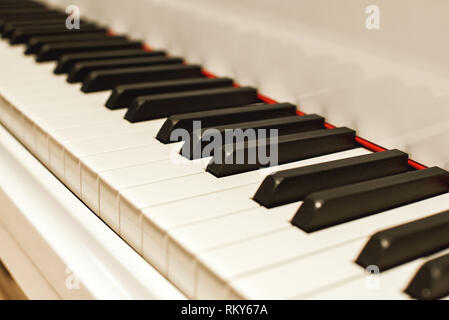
98 110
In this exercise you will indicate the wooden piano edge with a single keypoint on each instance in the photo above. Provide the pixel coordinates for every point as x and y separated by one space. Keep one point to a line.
50 241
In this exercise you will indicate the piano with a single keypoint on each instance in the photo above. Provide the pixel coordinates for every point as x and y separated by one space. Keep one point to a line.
100 201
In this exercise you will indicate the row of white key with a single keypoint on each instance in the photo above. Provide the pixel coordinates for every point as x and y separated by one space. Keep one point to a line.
331 267
388 285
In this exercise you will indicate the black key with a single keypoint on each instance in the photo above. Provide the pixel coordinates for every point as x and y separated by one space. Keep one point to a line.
166 104
10 27
18 12
23 2
15 1
398 245
108 79
52 51
82 69
36 43
19 5
295 184
432 280
223 116
291 148
12 10
24 34
67 61
122 96
193 149
330 207
30 3
15 4
31 18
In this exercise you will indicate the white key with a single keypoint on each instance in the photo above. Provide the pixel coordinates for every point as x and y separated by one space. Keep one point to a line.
48 102
76 150
39 83
59 98
160 221
58 138
185 187
112 181
57 106
65 100
91 166
213 233
41 88
250 256
57 109
387 285
337 261
58 116
23 121
41 106
302 276
86 117
56 152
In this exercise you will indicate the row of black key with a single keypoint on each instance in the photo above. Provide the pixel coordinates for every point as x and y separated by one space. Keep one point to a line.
36 44
153 86
24 33
15 28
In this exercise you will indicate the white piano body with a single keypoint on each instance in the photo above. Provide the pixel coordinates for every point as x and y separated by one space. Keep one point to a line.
391 85
55 247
